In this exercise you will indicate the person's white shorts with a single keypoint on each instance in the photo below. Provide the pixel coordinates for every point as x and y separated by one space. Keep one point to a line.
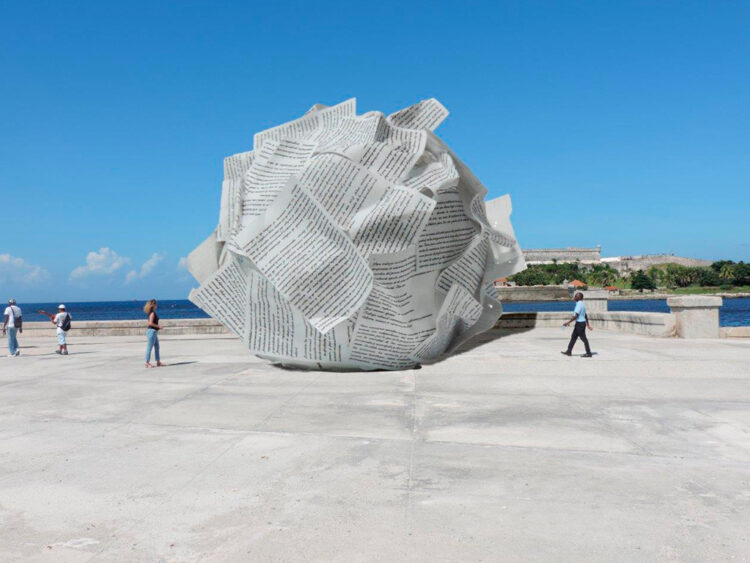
60 336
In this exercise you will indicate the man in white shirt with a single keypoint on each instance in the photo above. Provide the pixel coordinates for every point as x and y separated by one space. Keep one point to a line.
13 324
62 321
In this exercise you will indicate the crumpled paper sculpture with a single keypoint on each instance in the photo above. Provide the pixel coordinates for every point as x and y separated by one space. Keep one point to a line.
352 241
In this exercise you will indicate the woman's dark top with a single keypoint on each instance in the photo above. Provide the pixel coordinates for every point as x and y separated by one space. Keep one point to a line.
155 321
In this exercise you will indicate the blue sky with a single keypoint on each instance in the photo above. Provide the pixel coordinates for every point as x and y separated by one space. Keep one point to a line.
624 124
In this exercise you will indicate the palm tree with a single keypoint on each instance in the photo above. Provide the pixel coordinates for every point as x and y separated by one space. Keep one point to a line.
655 273
675 275
602 275
609 276
685 276
726 272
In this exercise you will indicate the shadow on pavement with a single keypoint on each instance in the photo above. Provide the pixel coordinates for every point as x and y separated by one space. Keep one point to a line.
55 354
479 340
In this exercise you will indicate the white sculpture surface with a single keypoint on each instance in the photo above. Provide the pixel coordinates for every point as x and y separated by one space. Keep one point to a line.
354 242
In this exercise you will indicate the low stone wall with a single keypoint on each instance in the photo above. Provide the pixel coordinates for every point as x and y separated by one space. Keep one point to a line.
636 322
127 328
735 332
691 316
649 324
532 320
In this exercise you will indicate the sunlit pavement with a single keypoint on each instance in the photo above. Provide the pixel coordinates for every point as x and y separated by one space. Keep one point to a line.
508 451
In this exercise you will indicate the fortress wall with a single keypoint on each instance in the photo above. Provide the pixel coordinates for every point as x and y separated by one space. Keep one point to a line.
632 263
570 254
594 255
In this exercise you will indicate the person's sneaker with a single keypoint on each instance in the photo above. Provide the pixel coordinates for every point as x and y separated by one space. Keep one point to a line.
58 352
566 353
588 356
18 352
65 353
11 355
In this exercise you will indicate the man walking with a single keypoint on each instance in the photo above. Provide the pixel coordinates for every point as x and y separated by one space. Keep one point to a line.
13 324
581 319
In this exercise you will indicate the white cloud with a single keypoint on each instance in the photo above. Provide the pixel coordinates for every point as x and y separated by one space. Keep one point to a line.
18 270
104 262
182 263
147 267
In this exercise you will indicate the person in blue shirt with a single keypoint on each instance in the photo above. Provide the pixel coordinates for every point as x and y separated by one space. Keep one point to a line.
582 321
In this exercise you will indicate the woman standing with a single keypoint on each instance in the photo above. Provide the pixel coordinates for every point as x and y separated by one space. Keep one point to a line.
152 336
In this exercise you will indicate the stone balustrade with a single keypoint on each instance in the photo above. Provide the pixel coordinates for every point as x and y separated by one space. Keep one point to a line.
691 317
128 328
633 322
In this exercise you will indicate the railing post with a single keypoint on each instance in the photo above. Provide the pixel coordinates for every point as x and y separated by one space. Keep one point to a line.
596 300
696 316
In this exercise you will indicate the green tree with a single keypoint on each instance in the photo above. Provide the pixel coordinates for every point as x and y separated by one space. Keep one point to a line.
640 281
558 273
741 272
533 275
706 277
719 265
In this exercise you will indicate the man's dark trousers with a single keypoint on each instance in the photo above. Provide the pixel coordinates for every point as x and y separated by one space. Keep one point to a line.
579 332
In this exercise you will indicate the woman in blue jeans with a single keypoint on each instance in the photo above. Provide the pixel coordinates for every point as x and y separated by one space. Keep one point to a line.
152 333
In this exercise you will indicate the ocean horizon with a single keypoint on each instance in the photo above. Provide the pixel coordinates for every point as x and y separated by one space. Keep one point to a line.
734 312
114 310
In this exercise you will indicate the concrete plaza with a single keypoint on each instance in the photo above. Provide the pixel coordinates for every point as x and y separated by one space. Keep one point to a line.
505 452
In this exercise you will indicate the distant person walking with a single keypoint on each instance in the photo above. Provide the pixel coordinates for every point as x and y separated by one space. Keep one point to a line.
13 324
152 336
581 319
62 321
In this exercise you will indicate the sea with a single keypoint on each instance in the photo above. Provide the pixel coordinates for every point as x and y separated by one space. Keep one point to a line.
734 312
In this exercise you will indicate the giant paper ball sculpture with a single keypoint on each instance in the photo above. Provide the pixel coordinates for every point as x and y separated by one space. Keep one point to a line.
352 241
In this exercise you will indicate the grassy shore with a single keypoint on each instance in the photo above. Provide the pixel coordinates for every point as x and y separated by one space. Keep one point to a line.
698 290
663 293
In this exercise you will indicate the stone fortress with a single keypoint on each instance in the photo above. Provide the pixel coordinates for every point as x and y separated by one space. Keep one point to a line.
622 264
569 254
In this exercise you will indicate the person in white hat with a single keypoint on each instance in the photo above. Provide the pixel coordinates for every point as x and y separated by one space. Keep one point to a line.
13 324
62 321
